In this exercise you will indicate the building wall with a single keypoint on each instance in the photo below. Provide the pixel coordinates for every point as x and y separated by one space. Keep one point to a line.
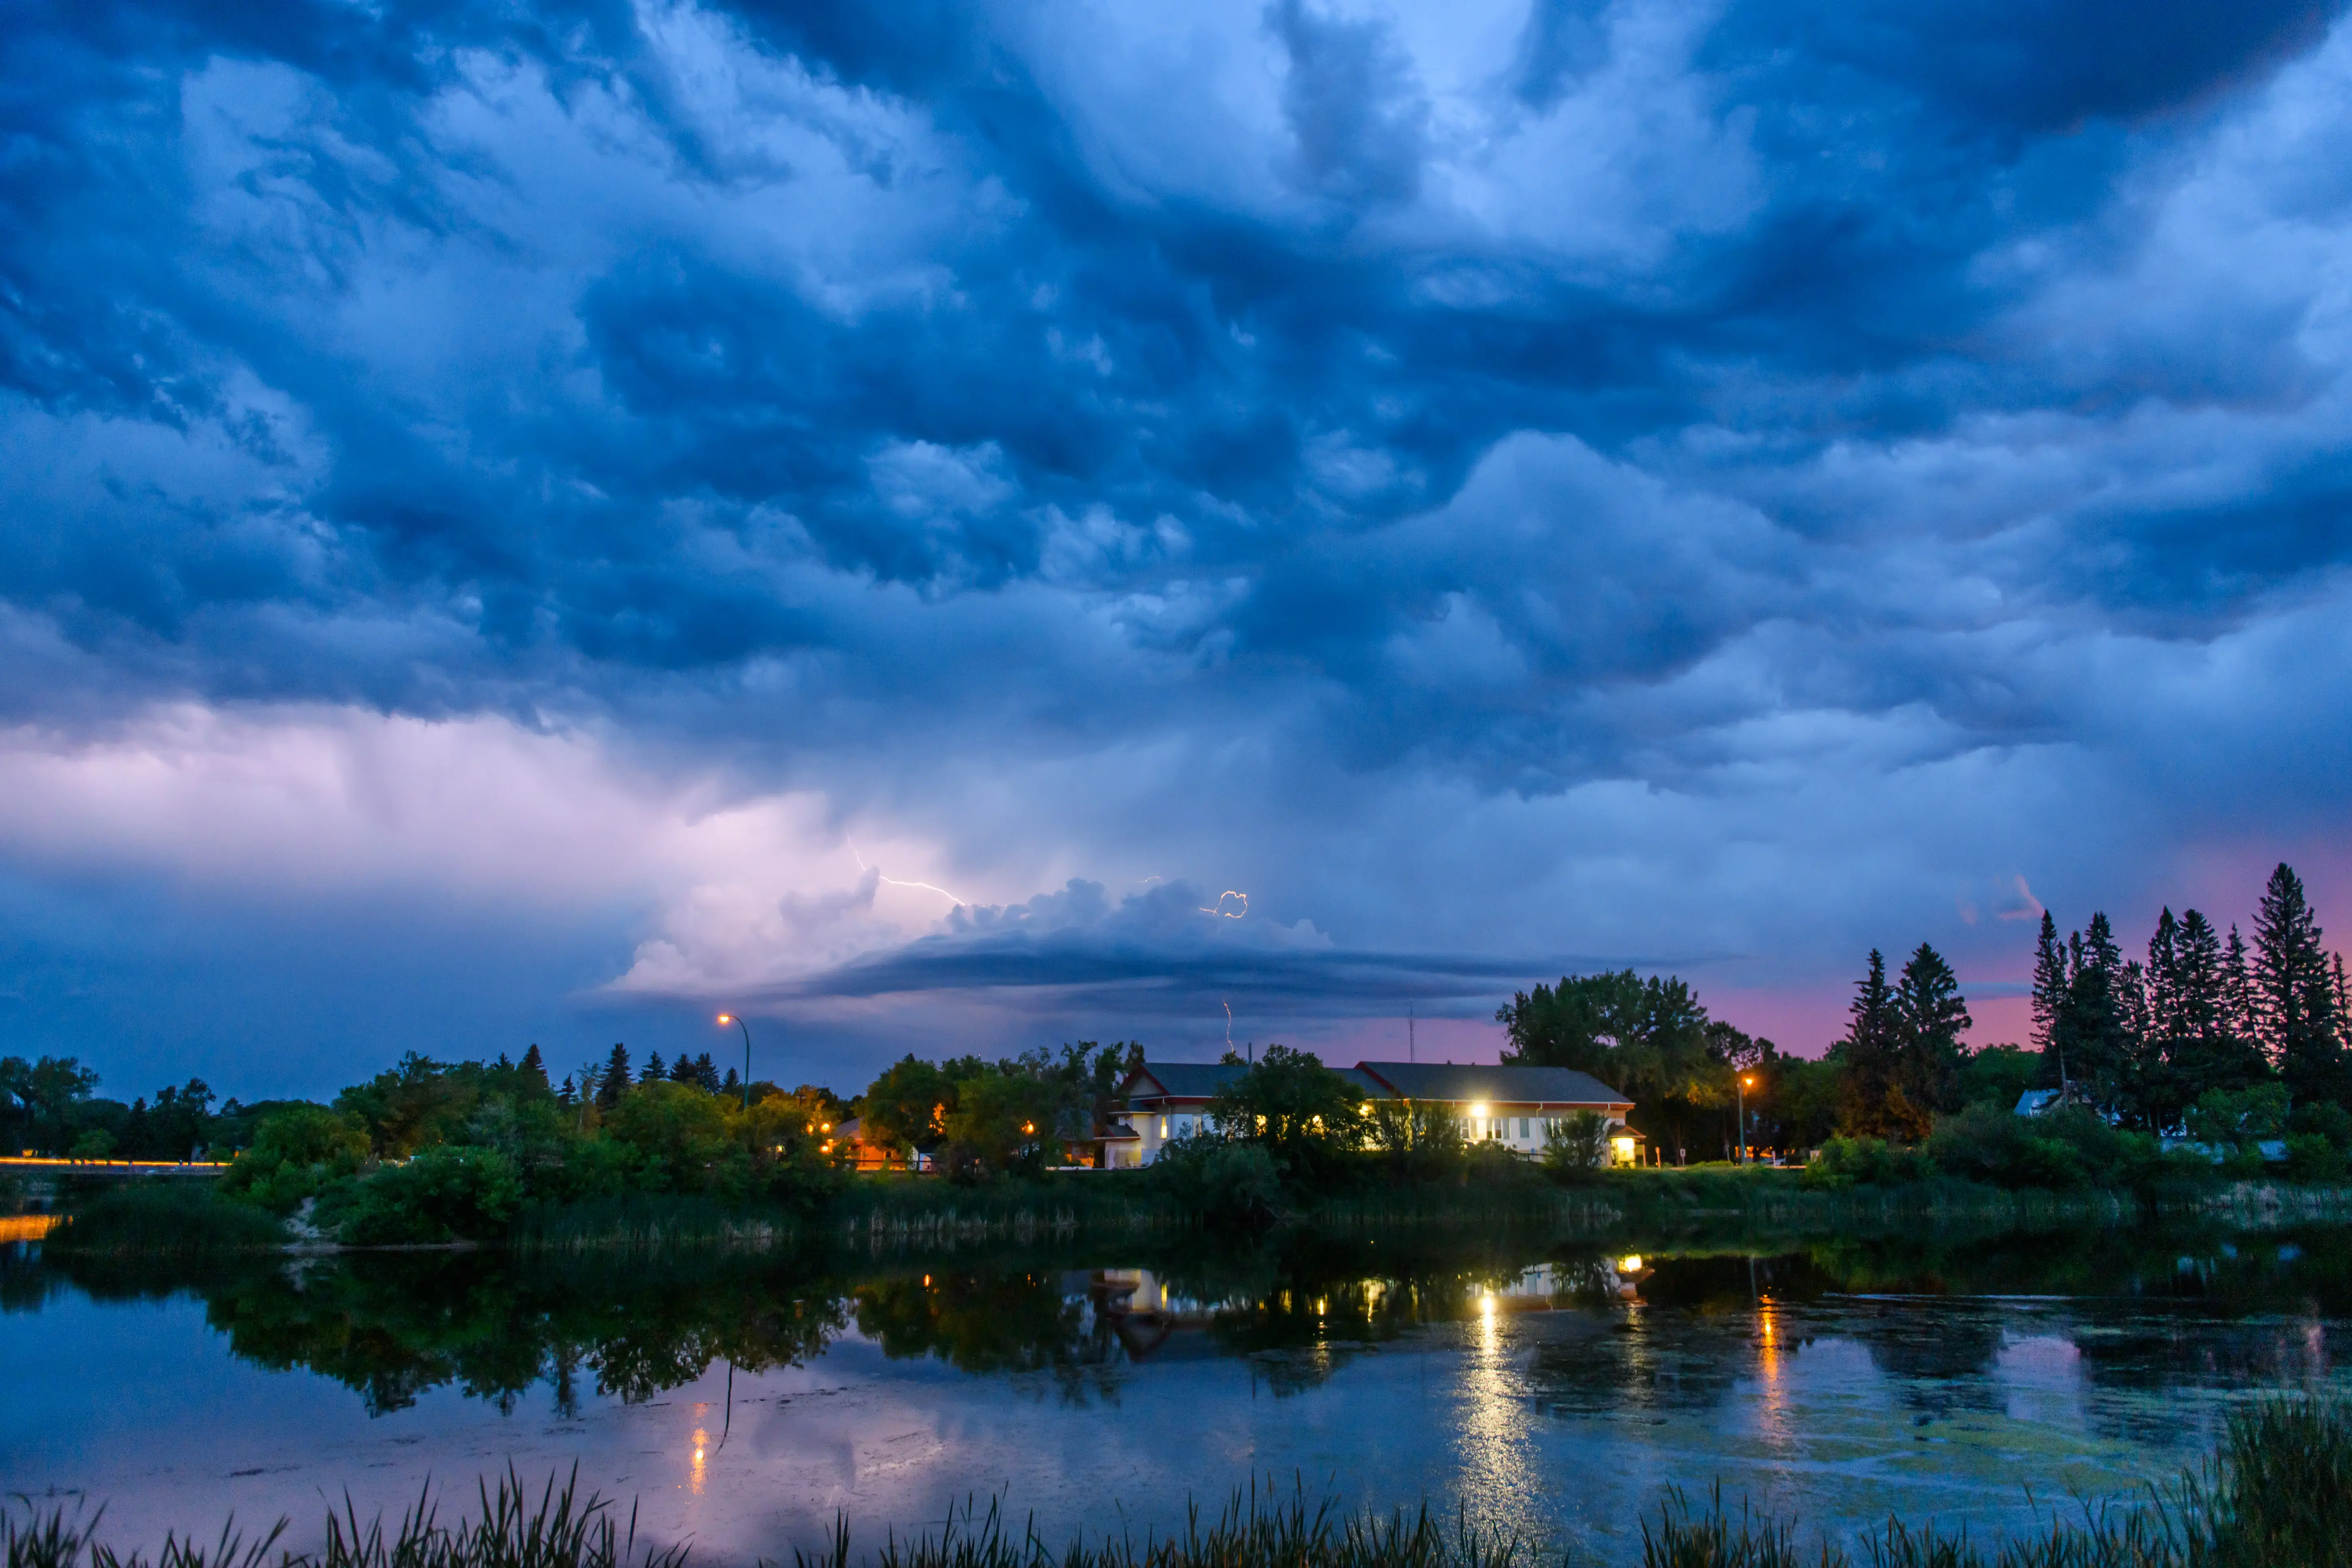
1522 1129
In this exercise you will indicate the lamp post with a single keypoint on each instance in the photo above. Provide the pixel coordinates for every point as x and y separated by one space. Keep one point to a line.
725 1018
1742 1091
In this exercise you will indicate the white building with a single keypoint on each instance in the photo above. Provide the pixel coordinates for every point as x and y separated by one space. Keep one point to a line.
1514 1106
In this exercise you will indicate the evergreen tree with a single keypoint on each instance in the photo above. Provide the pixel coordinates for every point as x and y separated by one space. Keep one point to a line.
534 1066
683 1070
2164 992
2197 1050
1873 1106
2295 995
2238 990
706 1073
613 1082
1930 1015
2103 1054
2201 1002
2051 991
653 1071
565 1095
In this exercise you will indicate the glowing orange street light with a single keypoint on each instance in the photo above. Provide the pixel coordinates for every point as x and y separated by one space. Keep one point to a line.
725 1019
1745 1081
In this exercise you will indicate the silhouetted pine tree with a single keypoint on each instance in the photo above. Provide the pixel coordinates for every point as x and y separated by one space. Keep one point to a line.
2237 1008
682 1071
2294 995
2199 1048
1930 1015
1871 1107
2102 1053
2051 990
653 1071
534 1066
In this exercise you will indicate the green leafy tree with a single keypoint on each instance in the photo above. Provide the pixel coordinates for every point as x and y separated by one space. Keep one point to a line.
1647 1039
681 1136
40 1102
1307 1117
906 1109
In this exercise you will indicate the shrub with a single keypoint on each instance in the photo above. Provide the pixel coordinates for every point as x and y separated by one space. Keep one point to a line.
2226 1116
1576 1147
2310 1157
2066 1148
1234 1185
1864 1162
296 1153
442 1195
2326 1120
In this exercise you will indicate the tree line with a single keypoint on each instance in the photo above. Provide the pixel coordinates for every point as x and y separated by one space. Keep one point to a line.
2206 1036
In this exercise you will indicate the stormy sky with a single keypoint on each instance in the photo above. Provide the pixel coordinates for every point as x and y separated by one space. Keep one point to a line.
959 527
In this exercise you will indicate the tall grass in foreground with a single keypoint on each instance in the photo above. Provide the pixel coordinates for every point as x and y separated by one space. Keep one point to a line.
560 1530
2278 1494
1254 1531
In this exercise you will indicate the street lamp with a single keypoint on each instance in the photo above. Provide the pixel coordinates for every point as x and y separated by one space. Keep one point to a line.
1742 1092
726 1018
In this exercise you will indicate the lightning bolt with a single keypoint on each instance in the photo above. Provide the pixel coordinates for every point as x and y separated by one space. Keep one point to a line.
1229 1027
894 881
1219 907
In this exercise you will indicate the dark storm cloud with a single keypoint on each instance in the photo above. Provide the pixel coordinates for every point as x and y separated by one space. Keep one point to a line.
1165 953
1328 438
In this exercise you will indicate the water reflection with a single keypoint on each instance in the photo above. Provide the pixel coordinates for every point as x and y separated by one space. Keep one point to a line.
1664 1329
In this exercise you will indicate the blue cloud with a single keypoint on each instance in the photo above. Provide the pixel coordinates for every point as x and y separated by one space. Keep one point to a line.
1590 483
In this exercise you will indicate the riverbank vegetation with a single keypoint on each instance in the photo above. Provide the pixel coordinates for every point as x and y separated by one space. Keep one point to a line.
2213 1062
2277 1494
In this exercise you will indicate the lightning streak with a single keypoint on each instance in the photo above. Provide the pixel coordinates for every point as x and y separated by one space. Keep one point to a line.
895 881
1219 907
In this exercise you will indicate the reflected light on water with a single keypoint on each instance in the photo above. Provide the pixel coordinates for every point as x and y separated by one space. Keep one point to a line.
701 1446
1498 1477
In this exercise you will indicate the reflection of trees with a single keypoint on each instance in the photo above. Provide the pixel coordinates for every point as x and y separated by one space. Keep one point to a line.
390 1328
981 1322
1297 1307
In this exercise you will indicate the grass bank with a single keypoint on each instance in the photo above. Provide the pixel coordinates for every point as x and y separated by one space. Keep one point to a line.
877 1215
2277 1494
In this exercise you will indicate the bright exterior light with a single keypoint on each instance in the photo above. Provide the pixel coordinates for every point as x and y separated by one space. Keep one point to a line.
1479 1109
726 1018
1629 1264
1028 1127
1749 1081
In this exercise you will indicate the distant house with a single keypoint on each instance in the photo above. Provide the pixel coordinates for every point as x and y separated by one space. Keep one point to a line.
1514 1106
2037 1101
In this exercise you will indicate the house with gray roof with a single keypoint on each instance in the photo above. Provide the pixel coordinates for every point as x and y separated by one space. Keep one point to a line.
1515 1107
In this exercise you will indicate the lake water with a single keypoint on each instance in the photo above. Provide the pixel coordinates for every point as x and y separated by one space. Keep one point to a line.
1551 1389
